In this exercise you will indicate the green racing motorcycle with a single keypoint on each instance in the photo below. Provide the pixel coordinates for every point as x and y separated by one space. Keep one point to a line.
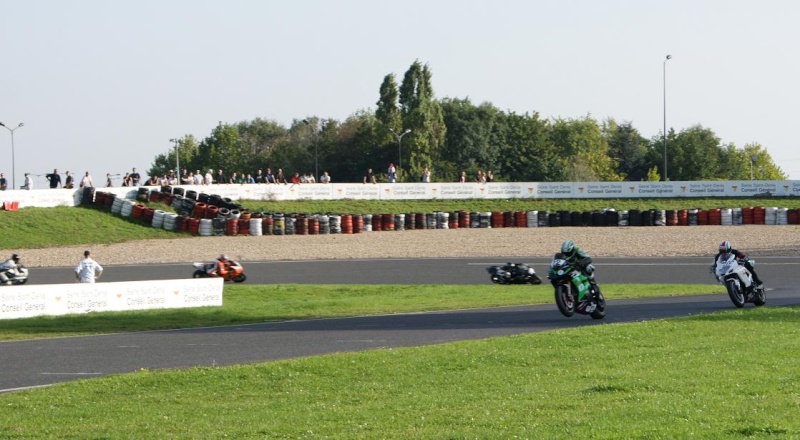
574 292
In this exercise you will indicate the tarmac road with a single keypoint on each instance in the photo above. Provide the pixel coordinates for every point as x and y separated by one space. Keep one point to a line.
34 363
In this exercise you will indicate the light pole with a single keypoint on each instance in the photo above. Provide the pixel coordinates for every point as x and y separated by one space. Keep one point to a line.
177 160
399 138
669 57
316 150
13 173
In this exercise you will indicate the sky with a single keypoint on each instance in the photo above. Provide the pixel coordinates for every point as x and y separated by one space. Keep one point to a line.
102 86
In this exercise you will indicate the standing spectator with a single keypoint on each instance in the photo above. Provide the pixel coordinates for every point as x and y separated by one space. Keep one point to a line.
198 178
86 182
3 182
186 177
54 178
69 181
489 176
108 181
87 269
28 181
126 179
135 177
369 177
391 173
259 176
279 177
325 178
426 175
463 177
480 177
220 178
209 179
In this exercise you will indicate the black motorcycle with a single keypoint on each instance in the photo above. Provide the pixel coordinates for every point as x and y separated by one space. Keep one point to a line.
513 273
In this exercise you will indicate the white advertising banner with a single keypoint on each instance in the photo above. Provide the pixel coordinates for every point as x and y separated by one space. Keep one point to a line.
63 299
442 190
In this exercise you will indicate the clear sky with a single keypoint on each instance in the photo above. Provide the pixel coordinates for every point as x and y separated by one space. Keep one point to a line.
102 86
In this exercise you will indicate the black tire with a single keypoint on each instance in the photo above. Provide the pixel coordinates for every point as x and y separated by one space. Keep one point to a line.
240 279
600 311
534 279
735 293
199 274
760 298
565 300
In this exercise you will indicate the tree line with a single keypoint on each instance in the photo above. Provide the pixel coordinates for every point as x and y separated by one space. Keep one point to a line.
413 129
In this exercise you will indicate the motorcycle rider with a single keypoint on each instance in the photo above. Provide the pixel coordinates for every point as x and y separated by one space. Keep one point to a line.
726 248
221 266
11 264
578 258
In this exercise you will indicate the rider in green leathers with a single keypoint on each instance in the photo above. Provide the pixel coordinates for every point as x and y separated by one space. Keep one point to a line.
578 258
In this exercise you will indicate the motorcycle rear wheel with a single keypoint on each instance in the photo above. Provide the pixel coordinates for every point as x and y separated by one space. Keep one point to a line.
735 293
760 298
599 311
565 300
199 274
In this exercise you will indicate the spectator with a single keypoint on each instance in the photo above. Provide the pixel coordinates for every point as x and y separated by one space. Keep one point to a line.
172 179
198 178
480 178
489 176
391 173
208 179
325 178
54 178
310 178
249 179
126 179
259 178
69 181
279 177
426 175
268 177
87 269
463 177
3 182
370 177
108 181
186 177
234 178
153 181
28 182
220 178
135 177
295 178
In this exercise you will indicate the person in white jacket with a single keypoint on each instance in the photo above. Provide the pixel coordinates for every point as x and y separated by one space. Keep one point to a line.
88 270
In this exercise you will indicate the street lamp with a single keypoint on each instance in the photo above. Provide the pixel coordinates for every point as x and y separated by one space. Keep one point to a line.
13 173
316 150
177 161
399 138
669 57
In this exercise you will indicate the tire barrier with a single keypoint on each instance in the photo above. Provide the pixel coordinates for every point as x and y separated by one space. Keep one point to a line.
770 215
116 208
266 224
290 225
367 223
206 227
278 225
387 222
170 221
191 194
127 208
358 223
399 222
158 219
336 224
231 226
243 226
410 222
255 226
759 215
193 226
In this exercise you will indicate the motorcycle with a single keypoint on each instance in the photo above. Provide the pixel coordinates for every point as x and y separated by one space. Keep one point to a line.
574 292
513 273
17 276
235 271
738 281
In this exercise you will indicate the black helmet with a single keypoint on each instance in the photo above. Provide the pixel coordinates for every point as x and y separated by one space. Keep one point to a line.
15 257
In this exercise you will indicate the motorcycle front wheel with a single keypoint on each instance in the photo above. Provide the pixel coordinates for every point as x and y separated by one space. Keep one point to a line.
565 301
534 279
240 278
737 297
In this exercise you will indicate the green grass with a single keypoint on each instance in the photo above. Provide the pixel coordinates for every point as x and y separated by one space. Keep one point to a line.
729 375
261 303
32 228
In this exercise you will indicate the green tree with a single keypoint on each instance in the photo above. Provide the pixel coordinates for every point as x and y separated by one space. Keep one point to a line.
627 148
423 116
584 151
471 142
694 154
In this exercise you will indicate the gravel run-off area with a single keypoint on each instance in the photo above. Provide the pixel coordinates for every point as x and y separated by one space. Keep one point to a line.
754 240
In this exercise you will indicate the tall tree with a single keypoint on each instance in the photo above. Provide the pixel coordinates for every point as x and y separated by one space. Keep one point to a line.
423 116
585 154
627 148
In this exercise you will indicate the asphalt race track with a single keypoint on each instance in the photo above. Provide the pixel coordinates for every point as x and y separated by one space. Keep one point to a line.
42 362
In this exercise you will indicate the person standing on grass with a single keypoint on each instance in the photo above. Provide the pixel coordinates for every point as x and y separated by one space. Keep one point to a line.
88 270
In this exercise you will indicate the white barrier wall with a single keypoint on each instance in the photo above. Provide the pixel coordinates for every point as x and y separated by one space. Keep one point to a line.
63 299
406 191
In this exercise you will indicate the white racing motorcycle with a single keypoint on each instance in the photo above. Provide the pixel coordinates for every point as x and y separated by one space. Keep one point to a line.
17 276
738 281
